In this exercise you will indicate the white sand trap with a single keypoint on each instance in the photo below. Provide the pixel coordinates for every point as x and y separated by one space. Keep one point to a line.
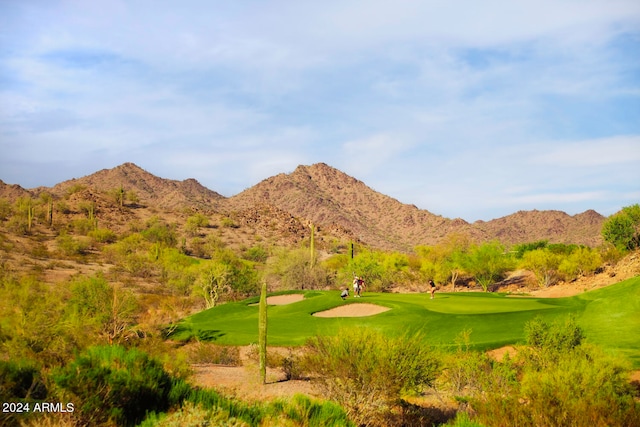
353 310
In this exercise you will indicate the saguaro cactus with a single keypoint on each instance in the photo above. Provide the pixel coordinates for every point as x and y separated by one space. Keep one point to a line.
312 246
262 332
50 211
31 210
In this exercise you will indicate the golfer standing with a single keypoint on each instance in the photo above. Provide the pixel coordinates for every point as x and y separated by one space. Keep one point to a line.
433 288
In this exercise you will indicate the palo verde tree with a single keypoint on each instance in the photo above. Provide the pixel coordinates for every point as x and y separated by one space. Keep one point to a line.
487 263
106 310
623 228
544 265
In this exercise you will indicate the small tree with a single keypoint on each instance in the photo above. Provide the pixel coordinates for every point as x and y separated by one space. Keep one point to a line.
543 264
487 263
623 228
107 309
213 280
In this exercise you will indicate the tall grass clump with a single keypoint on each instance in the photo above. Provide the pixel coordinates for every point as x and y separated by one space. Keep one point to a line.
368 373
301 410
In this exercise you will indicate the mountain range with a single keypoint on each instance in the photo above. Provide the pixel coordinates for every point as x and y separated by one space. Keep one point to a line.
334 201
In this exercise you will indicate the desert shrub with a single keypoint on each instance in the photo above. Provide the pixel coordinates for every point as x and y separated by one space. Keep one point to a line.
112 384
132 254
293 366
103 235
581 261
195 223
256 253
583 387
31 322
160 232
463 368
20 380
71 246
548 341
5 209
368 373
101 309
227 222
610 254
20 383
201 352
83 226
224 277
556 380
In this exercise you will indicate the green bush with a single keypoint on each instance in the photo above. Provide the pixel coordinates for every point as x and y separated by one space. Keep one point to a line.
582 261
112 384
71 246
103 235
256 253
548 341
623 228
20 381
368 373
556 380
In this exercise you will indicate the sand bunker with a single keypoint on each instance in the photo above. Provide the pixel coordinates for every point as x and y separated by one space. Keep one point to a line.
353 310
284 299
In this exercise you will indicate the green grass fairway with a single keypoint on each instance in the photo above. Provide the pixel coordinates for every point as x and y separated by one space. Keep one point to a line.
609 316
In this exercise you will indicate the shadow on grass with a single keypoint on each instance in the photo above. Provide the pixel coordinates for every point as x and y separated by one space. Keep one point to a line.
186 334
209 335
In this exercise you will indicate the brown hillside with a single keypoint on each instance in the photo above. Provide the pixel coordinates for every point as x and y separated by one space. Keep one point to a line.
554 226
12 191
343 207
326 195
150 190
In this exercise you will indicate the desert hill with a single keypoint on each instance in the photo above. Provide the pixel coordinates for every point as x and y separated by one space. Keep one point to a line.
326 195
337 203
150 189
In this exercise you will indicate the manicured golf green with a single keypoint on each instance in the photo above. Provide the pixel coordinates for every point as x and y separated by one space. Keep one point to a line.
610 317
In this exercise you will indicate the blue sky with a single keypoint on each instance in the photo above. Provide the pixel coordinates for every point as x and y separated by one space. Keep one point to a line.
464 108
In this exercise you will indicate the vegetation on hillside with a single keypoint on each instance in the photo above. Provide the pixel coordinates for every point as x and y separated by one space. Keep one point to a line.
92 283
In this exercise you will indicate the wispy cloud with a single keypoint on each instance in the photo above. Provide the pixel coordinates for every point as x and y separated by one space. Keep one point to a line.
446 105
611 151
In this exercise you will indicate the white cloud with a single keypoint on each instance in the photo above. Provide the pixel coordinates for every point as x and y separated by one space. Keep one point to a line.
610 151
369 154
453 104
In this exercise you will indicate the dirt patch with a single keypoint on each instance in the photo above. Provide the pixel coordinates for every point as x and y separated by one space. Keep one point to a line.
500 353
353 310
244 381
